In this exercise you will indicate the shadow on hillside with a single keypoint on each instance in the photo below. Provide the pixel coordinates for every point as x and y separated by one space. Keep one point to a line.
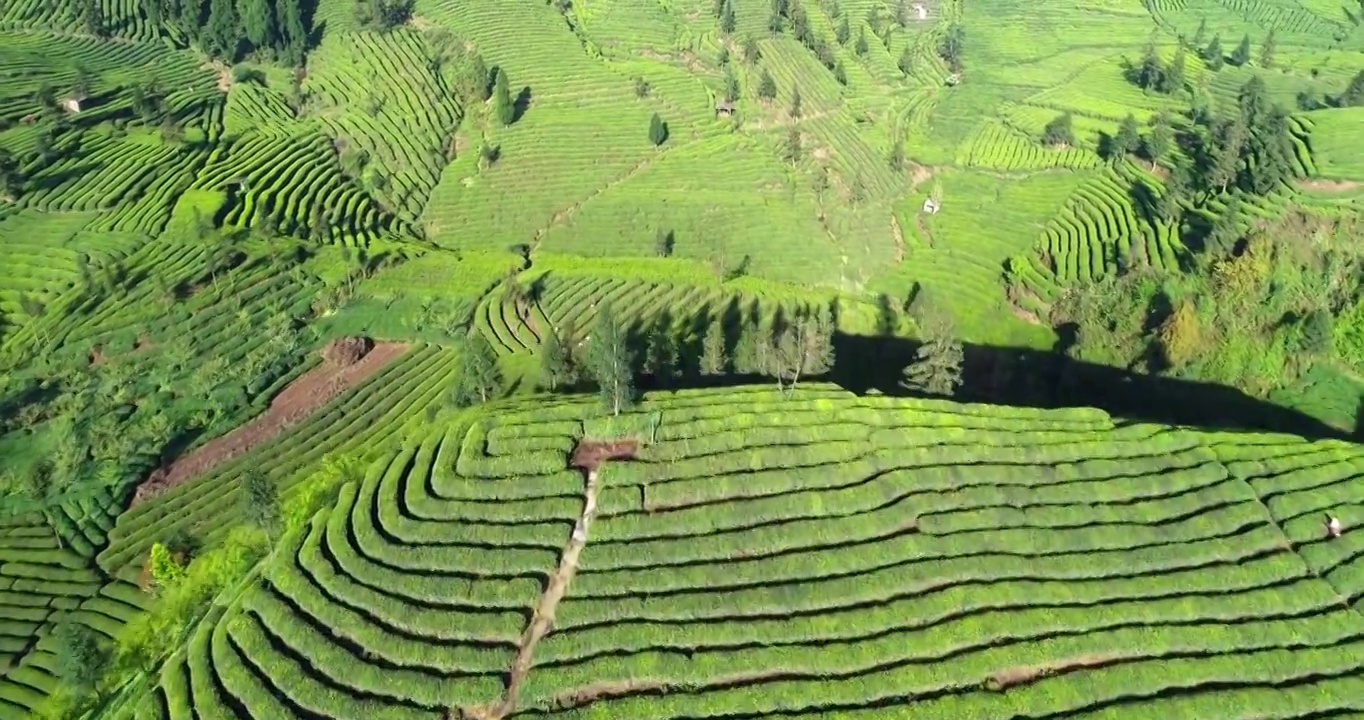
1033 378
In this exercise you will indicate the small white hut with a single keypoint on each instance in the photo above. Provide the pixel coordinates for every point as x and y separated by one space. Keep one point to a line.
931 206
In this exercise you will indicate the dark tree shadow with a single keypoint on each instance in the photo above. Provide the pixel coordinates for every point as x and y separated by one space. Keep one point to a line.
521 103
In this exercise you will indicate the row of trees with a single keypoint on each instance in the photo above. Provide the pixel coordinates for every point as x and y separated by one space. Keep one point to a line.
227 29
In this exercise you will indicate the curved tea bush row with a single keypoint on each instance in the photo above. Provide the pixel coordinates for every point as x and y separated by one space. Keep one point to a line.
46 579
293 181
825 554
997 146
394 108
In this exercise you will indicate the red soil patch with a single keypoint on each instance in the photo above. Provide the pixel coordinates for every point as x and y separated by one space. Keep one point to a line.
590 453
300 399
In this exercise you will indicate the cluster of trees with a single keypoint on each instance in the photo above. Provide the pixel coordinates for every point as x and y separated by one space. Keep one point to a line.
950 48
791 13
1351 96
227 29
382 15
1267 306
1215 57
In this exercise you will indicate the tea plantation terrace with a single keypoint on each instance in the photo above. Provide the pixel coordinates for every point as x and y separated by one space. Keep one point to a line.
827 555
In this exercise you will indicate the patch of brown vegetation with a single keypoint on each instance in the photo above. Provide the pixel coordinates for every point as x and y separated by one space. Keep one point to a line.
1329 185
590 453
295 403
1023 674
96 356
344 352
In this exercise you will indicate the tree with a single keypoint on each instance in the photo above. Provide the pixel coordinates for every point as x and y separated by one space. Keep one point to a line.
1160 139
843 32
713 349
937 365
555 364
662 356
258 22
610 360
663 243
163 566
752 350
220 35
1267 50
1200 33
795 112
1176 191
1151 72
1213 55
1059 131
897 156
79 657
260 502
804 347
791 149
1354 93
92 14
1318 333
840 73
727 21
1229 141
951 45
906 61
658 130
503 109
1173 80
861 47
478 376
1127 138
731 86
752 53
767 87
1181 336
293 30
1241 55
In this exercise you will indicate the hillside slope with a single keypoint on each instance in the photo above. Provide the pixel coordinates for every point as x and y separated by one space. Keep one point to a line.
827 555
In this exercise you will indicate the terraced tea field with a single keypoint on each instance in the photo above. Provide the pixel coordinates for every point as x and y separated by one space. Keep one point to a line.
827 555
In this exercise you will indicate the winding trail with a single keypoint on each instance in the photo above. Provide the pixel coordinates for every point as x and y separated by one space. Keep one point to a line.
542 622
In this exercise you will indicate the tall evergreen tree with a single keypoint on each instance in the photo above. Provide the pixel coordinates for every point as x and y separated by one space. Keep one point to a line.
937 365
861 47
906 62
658 130
1200 33
804 347
1169 204
92 13
1059 131
221 34
1267 50
555 363
713 349
1160 139
293 31
478 377
503 109
727 19
260 502
1228 146
767 87
1126 139
1213 55
1174 75
258 22
610 360
843 32
1354 92
796 111
1241 55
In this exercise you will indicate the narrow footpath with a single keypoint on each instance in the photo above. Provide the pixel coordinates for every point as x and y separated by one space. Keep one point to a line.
542 621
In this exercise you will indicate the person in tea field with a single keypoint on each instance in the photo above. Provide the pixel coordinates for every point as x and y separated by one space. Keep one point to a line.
1333 526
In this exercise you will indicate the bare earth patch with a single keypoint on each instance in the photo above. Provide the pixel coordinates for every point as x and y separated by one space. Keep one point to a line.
1024 674
1329 185
590 453
300 399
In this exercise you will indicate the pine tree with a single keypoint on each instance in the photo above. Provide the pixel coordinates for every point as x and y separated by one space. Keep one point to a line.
906 62
840 74
1169 204
1160 139
1267 50
1127 138
658 130
478 377
727 20
1200 33
861 47
220 35
555 365
804 347
767 87
260 502
610 361
713 349
1059 131
1354 93
897 156
752 53
1241 55
844 31
1151 73
293 31
937 365
258 22
1174 75
795 112
1229 141
1213 55
503 109
92 13
791 150
662 356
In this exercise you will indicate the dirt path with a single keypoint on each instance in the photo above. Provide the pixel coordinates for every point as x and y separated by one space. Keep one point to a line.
542 622
1329 185
300 399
